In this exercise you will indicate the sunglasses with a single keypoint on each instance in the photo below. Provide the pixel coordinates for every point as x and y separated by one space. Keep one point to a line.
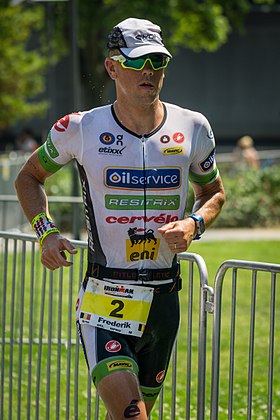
157 61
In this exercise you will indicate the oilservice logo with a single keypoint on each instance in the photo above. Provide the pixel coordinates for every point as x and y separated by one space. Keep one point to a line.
134 179
206 164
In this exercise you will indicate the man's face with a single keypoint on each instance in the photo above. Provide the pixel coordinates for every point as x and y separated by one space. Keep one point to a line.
142 85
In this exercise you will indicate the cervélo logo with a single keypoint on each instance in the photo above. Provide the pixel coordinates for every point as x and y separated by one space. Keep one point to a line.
150 179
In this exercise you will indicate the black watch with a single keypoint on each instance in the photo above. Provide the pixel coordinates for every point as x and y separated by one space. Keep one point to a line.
199 223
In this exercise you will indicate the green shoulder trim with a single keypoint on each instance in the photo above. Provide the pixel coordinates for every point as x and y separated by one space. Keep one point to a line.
204 179
150 394
48 164
113 364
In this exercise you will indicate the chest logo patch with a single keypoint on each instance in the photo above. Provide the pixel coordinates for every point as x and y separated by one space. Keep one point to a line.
164 178
178 137
107 138
141 245
169 151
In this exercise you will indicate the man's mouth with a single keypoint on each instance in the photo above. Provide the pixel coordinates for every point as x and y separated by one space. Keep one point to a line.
148 84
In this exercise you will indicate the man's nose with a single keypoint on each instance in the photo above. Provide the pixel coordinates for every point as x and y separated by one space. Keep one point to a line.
148 69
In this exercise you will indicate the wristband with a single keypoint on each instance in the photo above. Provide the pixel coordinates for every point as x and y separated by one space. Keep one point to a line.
43 226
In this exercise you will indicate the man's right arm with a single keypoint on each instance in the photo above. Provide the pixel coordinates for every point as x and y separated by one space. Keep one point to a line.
33 200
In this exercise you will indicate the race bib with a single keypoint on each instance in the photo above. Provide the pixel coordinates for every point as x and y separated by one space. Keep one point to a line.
116 307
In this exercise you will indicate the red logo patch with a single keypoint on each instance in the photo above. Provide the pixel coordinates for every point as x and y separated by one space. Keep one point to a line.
178 137
160 376
113 346
62 124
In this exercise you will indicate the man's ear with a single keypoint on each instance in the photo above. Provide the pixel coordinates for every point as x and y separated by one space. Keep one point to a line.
110 66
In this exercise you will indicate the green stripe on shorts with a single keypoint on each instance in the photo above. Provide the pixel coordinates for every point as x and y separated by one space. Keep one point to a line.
204 179
113 364
150 394
48 164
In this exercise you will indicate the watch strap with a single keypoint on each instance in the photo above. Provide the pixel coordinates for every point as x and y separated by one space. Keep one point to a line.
199 223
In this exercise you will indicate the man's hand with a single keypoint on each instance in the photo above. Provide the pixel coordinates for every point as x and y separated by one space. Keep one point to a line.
53 255
178 235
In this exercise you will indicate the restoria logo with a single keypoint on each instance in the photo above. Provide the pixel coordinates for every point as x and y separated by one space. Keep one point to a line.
168 151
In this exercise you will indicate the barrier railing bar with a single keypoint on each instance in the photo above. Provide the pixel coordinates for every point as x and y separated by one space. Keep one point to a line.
30 337
271 345
69 319
161 399
50 321
39 355
21 328
12 323
251 345
174 366
89 401
59 341
189 340
204 290
4 306
232 344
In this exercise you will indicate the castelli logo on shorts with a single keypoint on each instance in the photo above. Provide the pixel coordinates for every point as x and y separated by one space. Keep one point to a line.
113 346
62 124
160 376
178 137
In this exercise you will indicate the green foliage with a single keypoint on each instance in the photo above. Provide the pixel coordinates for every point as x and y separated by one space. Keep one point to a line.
253 199
203 25
21 69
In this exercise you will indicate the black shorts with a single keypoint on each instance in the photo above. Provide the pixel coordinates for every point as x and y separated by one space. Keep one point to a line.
148 356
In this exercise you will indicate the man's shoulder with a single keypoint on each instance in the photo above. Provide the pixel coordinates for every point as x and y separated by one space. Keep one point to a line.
91 113
185 112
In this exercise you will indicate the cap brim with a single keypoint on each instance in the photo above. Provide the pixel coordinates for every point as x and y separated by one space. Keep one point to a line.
143 50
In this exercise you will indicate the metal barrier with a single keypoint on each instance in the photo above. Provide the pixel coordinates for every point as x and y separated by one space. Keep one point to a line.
41 375
258 306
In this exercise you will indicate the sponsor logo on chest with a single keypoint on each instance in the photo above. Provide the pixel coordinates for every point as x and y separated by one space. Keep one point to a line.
149 179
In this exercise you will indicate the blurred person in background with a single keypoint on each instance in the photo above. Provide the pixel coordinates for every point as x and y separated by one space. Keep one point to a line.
26 141
245 153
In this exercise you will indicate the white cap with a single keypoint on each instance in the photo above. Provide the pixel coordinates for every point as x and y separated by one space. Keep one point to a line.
137 37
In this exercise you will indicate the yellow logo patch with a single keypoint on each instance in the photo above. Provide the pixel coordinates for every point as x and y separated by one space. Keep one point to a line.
169 151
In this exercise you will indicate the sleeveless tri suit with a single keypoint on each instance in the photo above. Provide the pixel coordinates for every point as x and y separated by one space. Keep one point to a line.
132 185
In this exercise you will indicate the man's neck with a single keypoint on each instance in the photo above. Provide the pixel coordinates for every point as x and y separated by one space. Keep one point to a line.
142 119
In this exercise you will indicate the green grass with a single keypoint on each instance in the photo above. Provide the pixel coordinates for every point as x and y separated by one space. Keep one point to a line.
214 253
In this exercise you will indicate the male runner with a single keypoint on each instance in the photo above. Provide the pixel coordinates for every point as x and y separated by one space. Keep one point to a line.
135 158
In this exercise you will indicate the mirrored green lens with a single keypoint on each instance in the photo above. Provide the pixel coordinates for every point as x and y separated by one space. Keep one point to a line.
157 61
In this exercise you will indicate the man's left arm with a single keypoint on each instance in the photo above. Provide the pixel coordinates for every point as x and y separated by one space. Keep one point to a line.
209 200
